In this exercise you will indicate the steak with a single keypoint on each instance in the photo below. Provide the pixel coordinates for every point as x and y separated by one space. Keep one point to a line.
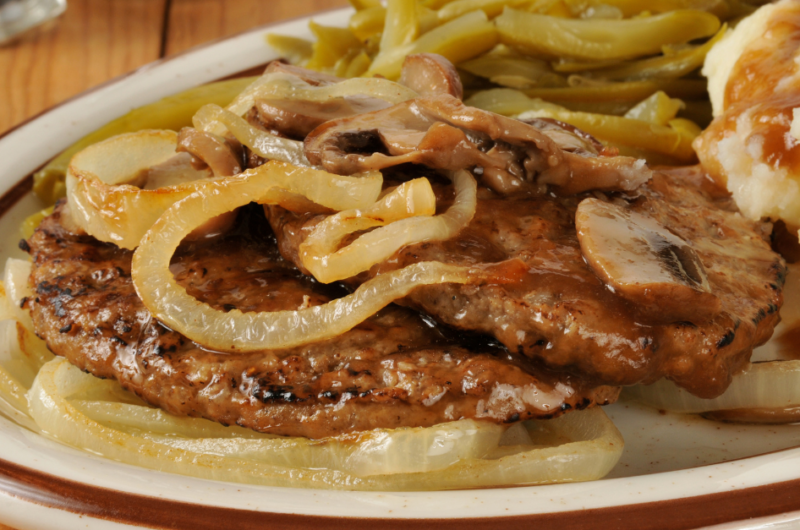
564 316
396 369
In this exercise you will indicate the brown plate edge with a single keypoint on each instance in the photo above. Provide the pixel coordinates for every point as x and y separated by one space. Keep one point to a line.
151 512
82 499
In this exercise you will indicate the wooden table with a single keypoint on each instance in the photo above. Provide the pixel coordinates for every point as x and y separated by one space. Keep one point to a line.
96 40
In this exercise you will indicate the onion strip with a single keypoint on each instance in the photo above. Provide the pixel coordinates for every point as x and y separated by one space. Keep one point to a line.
763 385
235 331
262 143
319 255
587 447
101 201
105 207
375 452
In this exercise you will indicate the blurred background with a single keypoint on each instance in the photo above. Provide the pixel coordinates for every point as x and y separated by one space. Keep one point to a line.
96 40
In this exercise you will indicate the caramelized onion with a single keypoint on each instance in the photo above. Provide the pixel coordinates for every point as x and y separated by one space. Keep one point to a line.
319 255
102 197
581 445
770 385
319 252
237 331
262 143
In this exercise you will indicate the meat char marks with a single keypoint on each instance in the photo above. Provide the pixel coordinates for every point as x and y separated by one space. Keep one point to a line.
393 370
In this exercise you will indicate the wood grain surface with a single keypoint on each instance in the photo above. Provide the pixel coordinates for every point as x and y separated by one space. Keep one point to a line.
97 40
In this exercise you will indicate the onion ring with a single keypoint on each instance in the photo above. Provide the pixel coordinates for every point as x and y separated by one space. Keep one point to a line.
319 255
235 331
260 142
591 447
102 203
769 387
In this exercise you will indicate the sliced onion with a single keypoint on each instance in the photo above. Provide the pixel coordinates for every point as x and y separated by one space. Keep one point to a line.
319 252
767 391
377 452
579 446
18 365
14 366
235 331
260 142
319 255
15 289
282 85
101 200
140 418
763 385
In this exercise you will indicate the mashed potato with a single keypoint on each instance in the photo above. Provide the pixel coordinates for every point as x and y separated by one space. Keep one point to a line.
753 145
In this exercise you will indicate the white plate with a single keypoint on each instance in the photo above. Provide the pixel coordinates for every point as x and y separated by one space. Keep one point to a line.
677 472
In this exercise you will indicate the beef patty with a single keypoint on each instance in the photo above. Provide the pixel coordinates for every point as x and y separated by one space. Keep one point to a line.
396 369
563 315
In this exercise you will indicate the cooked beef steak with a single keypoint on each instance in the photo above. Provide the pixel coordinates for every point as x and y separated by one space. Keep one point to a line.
394 370
564 316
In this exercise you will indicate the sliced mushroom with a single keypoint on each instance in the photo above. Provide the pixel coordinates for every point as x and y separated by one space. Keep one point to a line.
429 74
296 118
442 133
211 149
645 263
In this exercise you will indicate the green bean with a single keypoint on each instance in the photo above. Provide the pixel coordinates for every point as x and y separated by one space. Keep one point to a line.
658 108
506 68
368 22
458 40
360 5
634 91
673 140
293 49
552 37
674 65
630 8
401 25
332 44
492 8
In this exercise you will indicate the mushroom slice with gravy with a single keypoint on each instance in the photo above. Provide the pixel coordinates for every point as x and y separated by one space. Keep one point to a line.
211 150
444 134
645 263
296 118
430 74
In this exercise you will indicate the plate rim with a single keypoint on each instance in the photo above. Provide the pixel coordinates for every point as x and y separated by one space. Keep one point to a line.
33 485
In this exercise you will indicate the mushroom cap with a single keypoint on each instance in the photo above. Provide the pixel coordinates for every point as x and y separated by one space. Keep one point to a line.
645 263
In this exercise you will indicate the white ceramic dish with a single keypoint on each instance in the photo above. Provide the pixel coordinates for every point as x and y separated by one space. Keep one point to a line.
677 472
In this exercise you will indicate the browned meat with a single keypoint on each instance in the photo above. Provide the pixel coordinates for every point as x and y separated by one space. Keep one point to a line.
562 314
442 133
393 370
